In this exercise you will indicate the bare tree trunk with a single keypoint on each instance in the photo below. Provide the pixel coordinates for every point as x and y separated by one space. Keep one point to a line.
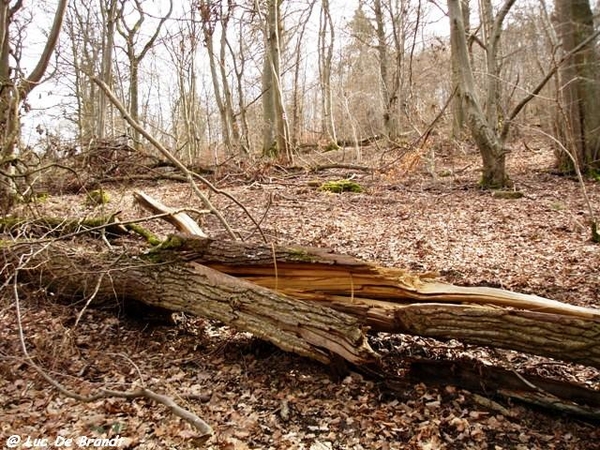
269 144
188 122
239 64
109 15
326 42
14 91
312 301
458 114
382 55
81 26
492 76
399 91
218 70
490 145
210 48
131 35
8 108
297 94
578 124
227 97
276 130
299 84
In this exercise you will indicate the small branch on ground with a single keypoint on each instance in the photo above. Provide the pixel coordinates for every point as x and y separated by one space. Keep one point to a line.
204 428
179 220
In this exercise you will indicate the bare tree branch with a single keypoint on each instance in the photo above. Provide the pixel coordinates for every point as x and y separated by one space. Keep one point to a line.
37 73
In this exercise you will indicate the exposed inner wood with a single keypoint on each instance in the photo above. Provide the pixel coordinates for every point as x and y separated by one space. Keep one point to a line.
397 301
180 220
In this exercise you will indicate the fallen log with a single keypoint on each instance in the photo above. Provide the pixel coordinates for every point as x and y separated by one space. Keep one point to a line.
397 301
85 274
492 381
314 302
329 313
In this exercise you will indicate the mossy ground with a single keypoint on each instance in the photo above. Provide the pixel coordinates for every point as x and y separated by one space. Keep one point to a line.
340 186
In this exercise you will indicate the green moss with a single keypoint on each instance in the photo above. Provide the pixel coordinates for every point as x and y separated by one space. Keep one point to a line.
93 222
340 186
150 237
594 174
159 253
271 151
299 254
97 197
173 242
487 184
10 223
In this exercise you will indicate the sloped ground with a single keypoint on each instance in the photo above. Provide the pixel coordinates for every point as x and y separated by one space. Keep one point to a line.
258 397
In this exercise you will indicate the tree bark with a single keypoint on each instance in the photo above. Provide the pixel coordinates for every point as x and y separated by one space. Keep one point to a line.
458 115
293 325
326 42
490 145
14 91
276 134
578 122
315 302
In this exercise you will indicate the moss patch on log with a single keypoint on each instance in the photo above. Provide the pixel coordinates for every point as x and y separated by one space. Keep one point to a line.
150 237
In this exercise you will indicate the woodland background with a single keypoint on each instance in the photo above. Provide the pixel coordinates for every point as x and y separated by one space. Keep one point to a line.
459 140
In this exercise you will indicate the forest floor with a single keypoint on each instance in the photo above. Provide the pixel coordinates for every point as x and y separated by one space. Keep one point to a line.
258 397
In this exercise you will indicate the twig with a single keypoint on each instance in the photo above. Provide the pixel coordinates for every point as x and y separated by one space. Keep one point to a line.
204 428
90 299
111 224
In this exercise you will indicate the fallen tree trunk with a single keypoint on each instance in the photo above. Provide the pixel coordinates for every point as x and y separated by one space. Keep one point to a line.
396 301
87 275
317 303
491 381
